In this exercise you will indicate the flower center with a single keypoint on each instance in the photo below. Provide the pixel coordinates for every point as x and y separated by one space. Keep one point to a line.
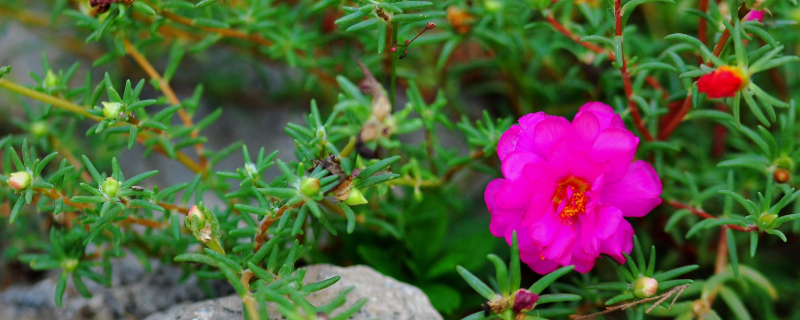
571 199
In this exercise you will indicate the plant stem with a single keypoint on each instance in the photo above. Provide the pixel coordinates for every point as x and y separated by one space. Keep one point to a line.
626 77
168 92
676 118
69 106
705 215
393 55
60 103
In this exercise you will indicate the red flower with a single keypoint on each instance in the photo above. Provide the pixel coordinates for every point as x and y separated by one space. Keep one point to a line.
726 81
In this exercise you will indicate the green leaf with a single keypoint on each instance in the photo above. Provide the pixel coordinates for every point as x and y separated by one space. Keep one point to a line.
224 260
514 277
362 25
557 297
732 251
90 167
61 286
196 257
664 276
476 283
378 166
409 17
734 303
548 279
627 9
502 273
146 204
614 286
138 178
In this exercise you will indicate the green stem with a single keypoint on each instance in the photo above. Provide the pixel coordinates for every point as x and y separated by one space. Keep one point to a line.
60 103
393 54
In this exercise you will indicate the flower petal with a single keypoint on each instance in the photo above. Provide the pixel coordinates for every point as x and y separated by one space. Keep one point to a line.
512 194
515 161
549 132
583 131
637 193
621 241
604 113
536 262
560 249
508 142
615 147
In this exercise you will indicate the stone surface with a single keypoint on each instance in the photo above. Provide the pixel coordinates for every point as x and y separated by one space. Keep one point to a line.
134 295
387 299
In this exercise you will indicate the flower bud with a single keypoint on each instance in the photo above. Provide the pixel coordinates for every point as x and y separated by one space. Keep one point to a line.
38 128
50 80
645 287
111 110
757 15
250 169
110 187
69 265
355 198
781 175
309 186
724 82
524 300
195 219
492 5
19 180
767 220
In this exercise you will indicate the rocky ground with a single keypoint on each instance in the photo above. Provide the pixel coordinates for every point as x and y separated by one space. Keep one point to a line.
160 295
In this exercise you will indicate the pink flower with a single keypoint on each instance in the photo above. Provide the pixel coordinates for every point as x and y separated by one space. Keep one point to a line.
567 187
755 15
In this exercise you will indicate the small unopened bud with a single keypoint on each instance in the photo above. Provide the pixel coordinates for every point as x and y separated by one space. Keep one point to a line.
309 186
19 180
195 219
394 49
111 110
524 300
110 187
355 198
645 287
492 5
50 80
38 128
251 169
767 220
782 175
430 25
69 265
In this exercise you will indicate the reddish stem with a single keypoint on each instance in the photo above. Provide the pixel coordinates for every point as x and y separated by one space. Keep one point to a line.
705 215
626 77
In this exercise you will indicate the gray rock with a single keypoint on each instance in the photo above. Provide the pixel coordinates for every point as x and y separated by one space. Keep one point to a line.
134 294
387 298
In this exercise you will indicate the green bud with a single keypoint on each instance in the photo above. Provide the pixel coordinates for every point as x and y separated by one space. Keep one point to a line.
111 110
767 220
309 186
251 169
110 187
205 227
19 180
195 219
38 128
492 5
50 80
355 198
69 265
645 287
